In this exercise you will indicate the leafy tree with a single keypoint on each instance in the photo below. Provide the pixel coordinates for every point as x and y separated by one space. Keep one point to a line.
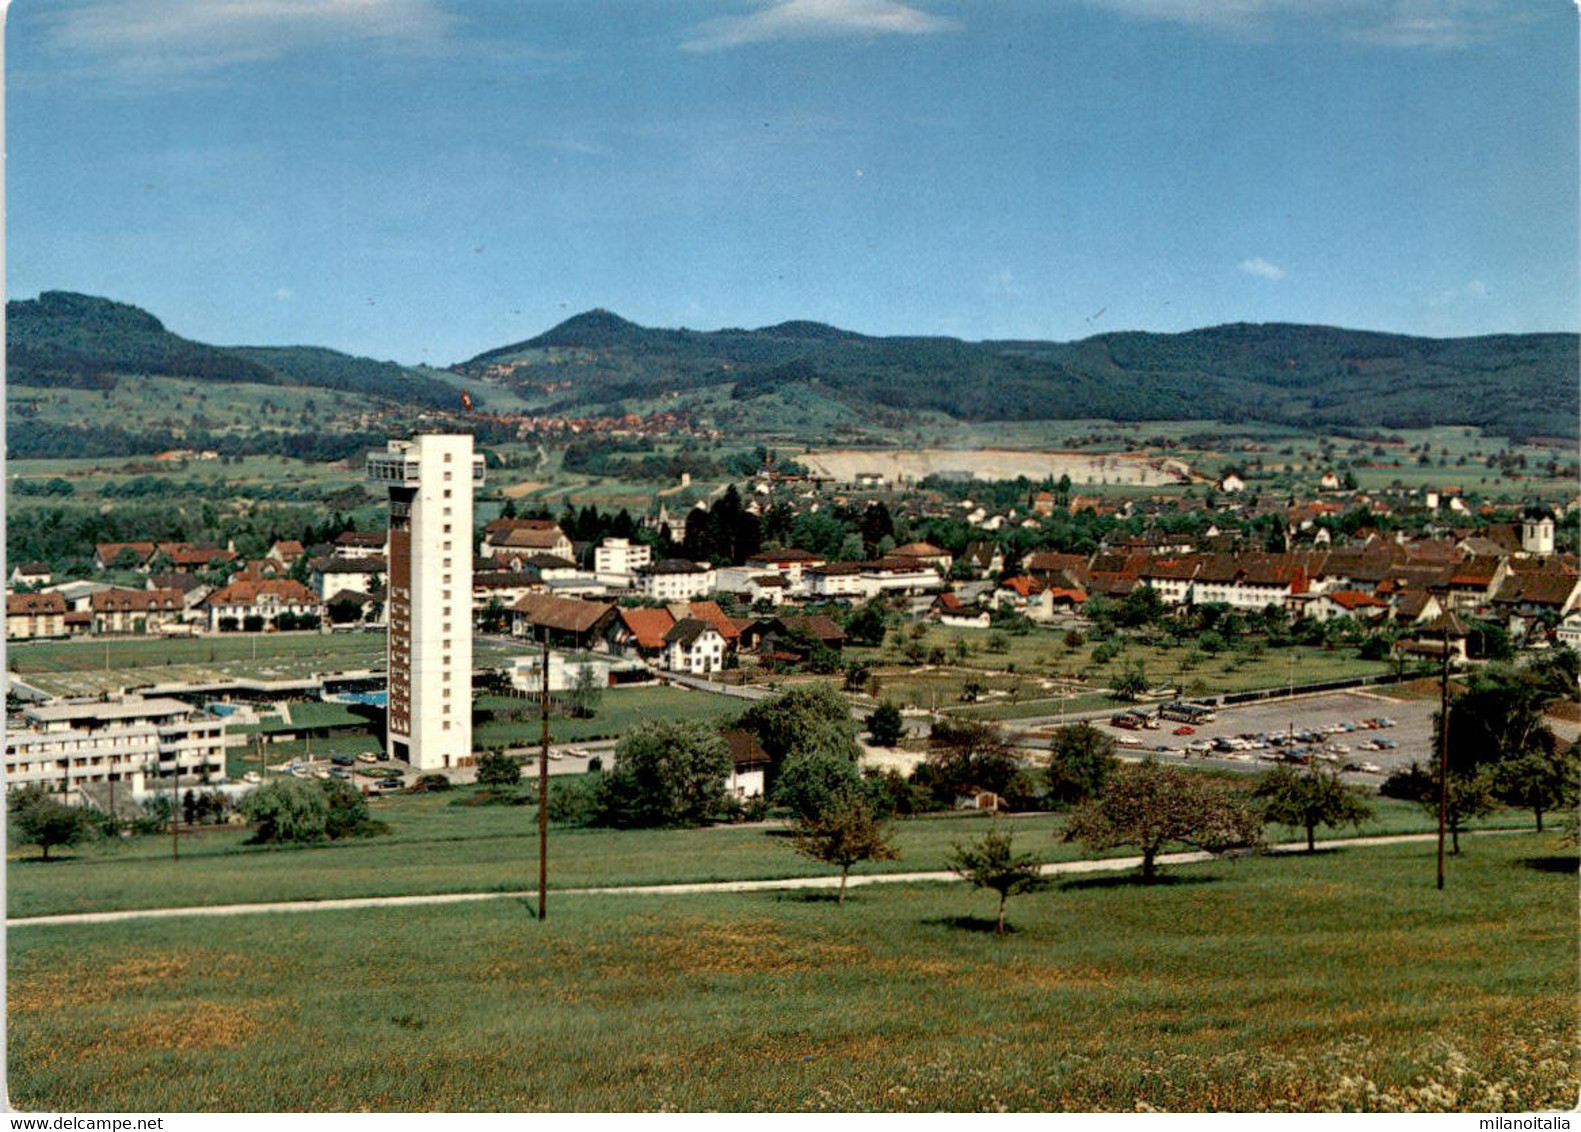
1131 684
811 781
885 724
807 717
667 773
847 832
496 768
37 817
1081 759
991 863
1309 797
1470 794
287 810
1142 606
972 754
1543 779
866 625
587 692
347 814
494 618
1150 805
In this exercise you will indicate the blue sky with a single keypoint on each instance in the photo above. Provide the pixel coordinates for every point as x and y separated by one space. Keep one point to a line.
426 179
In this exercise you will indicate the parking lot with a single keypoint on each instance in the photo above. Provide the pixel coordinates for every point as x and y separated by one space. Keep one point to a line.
1412 733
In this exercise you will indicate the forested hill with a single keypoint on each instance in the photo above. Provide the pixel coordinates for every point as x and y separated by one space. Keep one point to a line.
81 341
1514 384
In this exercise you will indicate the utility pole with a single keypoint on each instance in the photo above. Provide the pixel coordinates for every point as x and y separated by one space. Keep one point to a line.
1443 754
543 788
175 807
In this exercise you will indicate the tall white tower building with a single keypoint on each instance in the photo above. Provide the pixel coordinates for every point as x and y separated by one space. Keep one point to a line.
430 479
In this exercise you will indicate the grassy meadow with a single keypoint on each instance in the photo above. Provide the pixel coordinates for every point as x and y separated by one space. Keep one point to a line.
1341 980
438 843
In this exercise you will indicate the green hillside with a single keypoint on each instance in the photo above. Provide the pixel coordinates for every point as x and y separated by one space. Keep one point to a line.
1280 373
76 341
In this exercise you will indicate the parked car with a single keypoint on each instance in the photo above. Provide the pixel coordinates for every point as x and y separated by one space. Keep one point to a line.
1185 729
342 760
252 776
367 757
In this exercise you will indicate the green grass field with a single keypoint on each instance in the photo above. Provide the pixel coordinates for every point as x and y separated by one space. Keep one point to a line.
436 846
1338 981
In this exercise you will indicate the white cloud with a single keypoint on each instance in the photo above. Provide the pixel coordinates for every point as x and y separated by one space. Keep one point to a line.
284 294
815 19
172 38
1005 285
1474 291
1261 268
1432 24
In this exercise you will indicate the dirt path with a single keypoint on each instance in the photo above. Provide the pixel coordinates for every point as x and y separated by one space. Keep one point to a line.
1061 868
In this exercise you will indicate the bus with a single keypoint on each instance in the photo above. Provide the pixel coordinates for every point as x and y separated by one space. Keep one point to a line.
1187 713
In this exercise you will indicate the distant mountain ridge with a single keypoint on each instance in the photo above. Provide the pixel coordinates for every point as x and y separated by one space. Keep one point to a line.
82 341
1516 384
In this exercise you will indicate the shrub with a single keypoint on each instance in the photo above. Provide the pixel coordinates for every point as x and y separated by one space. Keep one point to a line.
498 769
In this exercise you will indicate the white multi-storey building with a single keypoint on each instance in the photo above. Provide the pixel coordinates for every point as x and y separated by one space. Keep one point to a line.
675 580
64 746
617 559
430 479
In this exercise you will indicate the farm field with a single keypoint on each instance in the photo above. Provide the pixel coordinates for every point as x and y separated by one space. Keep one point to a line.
984 463
437 845
1337 981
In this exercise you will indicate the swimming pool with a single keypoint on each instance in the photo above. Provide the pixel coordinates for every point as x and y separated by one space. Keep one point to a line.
372 699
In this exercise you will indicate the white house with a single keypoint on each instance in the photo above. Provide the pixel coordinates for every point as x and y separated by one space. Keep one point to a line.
32 574
1568 632
360 575
361 544
693 645
231 606
565 669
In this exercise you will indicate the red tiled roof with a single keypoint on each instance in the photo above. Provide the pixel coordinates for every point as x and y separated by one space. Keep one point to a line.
248 591
136 601
647 626
108 552
710 612
1023 585
1355 599
21 605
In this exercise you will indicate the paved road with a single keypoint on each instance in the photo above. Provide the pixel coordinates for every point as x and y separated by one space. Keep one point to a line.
1061 868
